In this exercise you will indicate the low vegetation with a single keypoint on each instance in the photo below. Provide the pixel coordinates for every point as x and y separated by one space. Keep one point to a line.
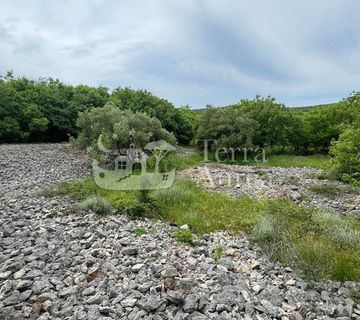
319 245
333 190
219 252
184 236
96 204
140 231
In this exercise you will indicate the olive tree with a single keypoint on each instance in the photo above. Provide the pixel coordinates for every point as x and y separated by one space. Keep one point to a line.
119 128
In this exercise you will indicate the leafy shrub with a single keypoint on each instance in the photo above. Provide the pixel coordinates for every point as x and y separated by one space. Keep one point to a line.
96 204
346 152
119 129
184 236
182 122
140 210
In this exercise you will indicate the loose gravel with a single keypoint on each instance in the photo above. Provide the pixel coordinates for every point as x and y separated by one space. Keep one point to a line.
59 263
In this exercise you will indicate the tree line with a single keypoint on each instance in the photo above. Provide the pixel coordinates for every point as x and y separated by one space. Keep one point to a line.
48 110
265 123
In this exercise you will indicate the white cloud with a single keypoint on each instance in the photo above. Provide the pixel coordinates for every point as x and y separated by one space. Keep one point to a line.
190 52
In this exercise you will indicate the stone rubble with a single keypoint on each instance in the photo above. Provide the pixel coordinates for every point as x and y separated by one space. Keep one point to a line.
271 182
58 263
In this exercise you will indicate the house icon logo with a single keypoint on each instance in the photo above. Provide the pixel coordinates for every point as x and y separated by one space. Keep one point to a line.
131 171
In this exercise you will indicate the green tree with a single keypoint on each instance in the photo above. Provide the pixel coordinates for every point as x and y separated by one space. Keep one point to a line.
346 152
10 130
228 127
172 119
274 120
119 128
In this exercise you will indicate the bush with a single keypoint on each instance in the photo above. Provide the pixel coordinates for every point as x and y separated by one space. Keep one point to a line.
119 129
96 204
140 210
346 152
264 230
184 236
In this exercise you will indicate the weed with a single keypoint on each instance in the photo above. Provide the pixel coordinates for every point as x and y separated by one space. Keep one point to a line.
184 236
140 231
264 230
218 252
97 204
355 295
326 175
345 237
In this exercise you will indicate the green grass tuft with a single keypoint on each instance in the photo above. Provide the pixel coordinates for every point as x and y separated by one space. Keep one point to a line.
96 204
184 236
140 231
218 252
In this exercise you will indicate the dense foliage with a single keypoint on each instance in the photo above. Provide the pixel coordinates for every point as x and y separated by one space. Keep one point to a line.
346 152
274 125
228 127
178 121
43 110
119 128
46 109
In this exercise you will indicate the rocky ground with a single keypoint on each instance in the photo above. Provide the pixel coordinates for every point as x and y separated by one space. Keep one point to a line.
58 263
296 184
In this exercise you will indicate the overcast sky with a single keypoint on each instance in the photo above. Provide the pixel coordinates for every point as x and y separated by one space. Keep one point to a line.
194 52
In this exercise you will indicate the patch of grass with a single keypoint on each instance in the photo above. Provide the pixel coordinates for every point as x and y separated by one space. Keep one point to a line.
183 161
319 245
355 295
187 203
180 162
286 161
136 204
184 236
326 175
263 230
332 190
47 193
218 252
96 204
140 231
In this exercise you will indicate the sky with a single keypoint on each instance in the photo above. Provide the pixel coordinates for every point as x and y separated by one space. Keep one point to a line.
191 52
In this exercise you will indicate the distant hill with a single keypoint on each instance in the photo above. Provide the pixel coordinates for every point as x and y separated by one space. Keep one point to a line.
305 108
